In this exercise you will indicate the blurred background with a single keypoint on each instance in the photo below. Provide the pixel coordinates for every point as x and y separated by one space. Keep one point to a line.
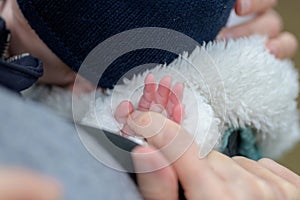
290 12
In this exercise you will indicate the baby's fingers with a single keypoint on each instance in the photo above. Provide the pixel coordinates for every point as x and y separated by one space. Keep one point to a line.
178 113
163 91
124 109
175 98
148 93
122 113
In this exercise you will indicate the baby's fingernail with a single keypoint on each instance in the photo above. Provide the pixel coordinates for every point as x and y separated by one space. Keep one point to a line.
244 7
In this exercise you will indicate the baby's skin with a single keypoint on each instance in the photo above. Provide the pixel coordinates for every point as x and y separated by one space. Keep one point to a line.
162 98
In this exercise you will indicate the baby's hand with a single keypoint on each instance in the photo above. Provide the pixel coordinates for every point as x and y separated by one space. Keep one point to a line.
160 99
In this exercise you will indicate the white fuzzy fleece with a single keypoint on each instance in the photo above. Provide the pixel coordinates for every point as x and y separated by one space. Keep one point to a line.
233 84
260 91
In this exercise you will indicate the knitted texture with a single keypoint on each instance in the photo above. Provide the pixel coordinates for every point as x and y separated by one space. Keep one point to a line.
72 28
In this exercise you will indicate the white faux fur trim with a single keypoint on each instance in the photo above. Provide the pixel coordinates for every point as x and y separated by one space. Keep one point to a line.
231 84
261 91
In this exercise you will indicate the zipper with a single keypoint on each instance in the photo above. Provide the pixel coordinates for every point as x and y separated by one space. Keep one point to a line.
5 46
17 57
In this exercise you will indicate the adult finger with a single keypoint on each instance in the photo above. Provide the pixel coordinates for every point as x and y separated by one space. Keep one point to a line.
195 175
283 46
235 176
246 7
154 183
281 171
281 188
269 24
19 184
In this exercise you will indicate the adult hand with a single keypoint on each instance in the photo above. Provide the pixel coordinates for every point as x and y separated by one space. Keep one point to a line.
21 185
214 177
266 22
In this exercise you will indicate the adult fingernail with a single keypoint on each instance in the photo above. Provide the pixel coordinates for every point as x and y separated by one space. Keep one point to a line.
142 159
139 121
142 119
147 124
244 7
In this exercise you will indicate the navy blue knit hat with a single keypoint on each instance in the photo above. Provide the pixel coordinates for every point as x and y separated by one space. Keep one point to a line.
72 28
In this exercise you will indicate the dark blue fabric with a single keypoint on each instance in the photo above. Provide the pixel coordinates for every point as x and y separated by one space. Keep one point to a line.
72 28
21 72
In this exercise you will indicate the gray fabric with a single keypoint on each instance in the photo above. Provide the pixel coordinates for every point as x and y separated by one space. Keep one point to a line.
34 137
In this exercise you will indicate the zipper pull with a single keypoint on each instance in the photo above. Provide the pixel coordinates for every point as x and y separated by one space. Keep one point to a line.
5 39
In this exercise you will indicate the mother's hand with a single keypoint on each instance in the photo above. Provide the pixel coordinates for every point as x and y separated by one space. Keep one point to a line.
214 177
266 22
